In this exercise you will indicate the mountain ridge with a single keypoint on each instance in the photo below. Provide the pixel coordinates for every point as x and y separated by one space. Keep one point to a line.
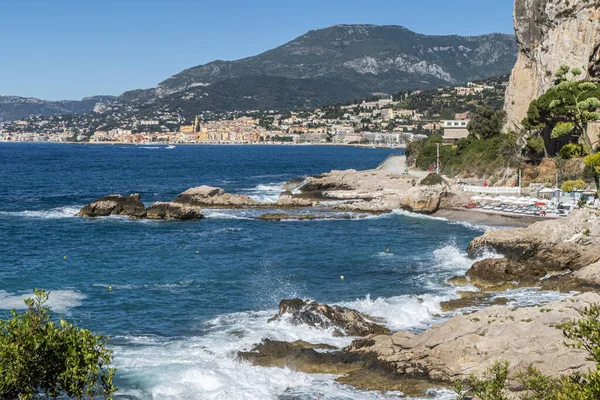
334 64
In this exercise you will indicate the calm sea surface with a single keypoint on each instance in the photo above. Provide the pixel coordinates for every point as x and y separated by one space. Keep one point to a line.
188 295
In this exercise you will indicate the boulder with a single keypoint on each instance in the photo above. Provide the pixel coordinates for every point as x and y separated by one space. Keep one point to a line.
115 204
471 344
423 199
344 320
171 210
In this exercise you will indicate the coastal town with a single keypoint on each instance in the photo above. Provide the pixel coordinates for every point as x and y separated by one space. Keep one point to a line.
389 121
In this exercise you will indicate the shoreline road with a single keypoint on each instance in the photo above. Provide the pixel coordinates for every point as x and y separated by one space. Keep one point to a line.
396 164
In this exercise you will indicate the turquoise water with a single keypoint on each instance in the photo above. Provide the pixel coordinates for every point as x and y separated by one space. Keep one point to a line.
188 295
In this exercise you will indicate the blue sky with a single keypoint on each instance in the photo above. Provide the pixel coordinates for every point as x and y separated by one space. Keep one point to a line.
69 49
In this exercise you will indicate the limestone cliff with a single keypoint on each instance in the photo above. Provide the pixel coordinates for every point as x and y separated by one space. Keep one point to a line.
550 33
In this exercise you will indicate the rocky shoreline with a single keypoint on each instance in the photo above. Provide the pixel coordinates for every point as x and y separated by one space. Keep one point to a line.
554 254
561 255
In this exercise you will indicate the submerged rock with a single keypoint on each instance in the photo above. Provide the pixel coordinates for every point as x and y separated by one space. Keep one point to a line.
345 320
361 370
171 210
115 204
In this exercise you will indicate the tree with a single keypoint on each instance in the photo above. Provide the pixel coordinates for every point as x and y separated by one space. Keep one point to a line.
575 103
40 357
564 110
486 122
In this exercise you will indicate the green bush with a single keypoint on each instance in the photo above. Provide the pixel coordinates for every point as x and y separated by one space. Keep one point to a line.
571 186
431 180
571 150
535 146
42 358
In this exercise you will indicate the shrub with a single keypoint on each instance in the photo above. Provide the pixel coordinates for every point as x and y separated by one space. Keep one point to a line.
571 150
42 358
535 146
431 180
570 186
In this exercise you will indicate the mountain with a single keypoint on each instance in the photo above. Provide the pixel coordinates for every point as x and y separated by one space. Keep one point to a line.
324 66
368 58
13 107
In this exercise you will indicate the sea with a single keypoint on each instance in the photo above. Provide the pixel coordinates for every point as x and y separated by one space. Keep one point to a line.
180 299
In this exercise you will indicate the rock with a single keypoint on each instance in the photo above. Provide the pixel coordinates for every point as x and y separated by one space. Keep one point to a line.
171 210
471 299
279 217
115 204
334 180
209 196
294 202
362 370
532 253
550 33
423 199
345 320
470 344
589 274
299 357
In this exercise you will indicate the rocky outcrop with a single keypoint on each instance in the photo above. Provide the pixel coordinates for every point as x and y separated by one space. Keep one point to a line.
132 206
115 204
470 344
209 196
545 248
171 210
345 321
423 199
550 33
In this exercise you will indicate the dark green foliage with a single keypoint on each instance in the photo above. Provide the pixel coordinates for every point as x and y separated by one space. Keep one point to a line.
40 357
534 147
431 180
571 150
565 109
585 334
491 387
471 156
486 123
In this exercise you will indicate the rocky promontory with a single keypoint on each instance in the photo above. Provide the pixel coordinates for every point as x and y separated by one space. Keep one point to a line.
544 253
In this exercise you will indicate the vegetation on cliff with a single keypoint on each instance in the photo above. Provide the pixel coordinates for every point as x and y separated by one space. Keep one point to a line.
484 151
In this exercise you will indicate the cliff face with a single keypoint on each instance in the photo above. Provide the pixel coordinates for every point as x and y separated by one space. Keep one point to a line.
550 33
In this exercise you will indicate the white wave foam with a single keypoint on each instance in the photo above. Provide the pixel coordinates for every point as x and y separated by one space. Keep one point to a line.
55 213
224 214
268 193
59 301
401 312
